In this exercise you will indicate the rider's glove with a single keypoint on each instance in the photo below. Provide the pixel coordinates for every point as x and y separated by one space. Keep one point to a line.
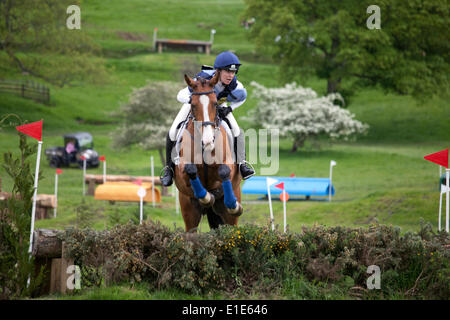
224 111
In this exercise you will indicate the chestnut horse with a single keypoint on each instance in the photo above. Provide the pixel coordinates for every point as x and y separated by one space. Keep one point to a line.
208 186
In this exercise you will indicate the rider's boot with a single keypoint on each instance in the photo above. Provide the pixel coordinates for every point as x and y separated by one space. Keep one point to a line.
246 172
239 143
167 178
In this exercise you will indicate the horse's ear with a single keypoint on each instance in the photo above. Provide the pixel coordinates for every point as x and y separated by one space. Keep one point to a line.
189 81
215 79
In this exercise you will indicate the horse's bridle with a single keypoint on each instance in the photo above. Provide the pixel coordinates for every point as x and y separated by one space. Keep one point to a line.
205 123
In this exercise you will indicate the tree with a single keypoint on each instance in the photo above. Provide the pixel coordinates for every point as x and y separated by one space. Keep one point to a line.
298 113
331 39
35 40
147 117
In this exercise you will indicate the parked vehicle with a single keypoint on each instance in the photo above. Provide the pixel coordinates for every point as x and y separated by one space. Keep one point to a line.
76 145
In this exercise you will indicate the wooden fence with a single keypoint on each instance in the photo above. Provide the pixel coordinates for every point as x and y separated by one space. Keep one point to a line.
26 89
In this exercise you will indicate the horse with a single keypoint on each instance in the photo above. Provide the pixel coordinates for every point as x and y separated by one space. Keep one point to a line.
211 187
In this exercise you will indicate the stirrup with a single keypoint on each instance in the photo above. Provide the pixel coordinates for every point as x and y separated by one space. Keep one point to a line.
163 170
248 164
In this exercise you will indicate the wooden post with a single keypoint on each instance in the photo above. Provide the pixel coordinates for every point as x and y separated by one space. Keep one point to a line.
65 263
91 187
160 47
55 279
59 275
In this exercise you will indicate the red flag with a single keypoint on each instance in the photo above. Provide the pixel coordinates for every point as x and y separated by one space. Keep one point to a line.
292 175
280 186
33 129
82 157
58 171
440 158
102 158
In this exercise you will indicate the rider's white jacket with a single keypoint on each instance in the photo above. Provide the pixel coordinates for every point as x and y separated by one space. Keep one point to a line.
235 92
235 95
235 99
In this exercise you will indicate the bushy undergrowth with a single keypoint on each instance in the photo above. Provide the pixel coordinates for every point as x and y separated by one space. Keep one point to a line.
318 262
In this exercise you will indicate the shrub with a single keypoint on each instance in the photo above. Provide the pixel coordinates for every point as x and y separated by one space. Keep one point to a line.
250 259
17 270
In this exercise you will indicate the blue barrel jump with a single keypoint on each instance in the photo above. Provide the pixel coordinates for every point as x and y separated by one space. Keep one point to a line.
293 186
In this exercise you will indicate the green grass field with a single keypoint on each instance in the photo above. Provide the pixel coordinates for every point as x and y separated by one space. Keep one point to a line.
381 177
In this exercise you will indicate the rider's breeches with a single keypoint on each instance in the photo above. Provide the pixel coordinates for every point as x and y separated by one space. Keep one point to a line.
239 147
181 116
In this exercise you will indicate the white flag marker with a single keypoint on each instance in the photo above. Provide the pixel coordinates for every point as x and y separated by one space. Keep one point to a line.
283 197
269 182
332 164
33 130
141 193
284 211
56 195
447 193
84 174
103 159
443 190
58 172
153 180
441 158
175 194
33 210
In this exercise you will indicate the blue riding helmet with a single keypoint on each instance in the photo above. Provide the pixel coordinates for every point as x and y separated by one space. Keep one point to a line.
228 61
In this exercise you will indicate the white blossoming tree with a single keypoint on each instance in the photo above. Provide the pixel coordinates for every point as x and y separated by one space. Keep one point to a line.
298 113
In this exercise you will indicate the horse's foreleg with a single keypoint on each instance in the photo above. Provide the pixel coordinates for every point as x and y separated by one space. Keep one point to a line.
230 200
205 198
191 215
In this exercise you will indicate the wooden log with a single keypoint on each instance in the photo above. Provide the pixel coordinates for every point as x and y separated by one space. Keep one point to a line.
46 243
98 178
46 200
41 213
4 195
42 200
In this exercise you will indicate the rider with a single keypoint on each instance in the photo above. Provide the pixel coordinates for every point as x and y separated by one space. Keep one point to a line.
228 90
